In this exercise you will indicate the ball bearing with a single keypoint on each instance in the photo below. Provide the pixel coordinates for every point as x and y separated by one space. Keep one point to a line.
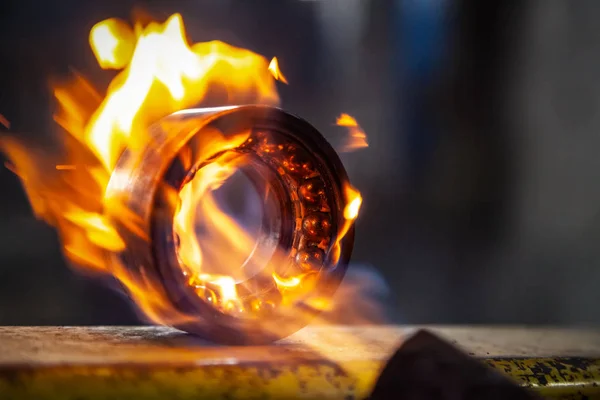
302 244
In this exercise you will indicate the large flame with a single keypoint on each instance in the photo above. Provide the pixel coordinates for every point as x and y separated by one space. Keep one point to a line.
160 74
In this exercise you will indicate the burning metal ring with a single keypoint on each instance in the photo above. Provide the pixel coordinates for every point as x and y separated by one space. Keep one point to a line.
303 239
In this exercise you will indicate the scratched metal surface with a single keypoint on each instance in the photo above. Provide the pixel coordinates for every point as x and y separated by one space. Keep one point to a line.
317 362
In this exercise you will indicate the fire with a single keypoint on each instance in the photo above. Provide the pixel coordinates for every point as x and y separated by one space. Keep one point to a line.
353 207
64 167
164 75
357 138
112 42
200 254
160 73
291 282
274 69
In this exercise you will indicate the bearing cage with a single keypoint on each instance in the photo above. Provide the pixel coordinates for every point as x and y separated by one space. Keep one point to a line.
310 176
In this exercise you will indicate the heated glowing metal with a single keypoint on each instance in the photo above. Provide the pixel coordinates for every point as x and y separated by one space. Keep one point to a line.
300 251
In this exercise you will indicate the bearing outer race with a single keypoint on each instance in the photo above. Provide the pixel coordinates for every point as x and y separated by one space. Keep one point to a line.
137 177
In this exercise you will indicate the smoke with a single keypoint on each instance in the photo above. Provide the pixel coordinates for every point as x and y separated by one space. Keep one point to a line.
361 299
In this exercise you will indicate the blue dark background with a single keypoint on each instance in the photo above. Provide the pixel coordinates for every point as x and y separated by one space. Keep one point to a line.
482 181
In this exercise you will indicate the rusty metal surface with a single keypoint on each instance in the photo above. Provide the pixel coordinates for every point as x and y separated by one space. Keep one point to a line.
562 378
317 362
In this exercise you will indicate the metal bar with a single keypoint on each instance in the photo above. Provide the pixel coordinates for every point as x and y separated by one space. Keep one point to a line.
324 362
572 378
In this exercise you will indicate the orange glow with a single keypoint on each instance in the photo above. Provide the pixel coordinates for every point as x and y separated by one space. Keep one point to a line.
357 138
224 239
65 167
4 122
287 282
161 74
10 167
275 71
346 120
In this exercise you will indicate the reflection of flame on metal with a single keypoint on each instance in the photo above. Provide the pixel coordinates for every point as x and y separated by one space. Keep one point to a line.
127 196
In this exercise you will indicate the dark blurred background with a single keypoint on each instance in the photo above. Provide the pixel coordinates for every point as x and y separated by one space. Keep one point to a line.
481 184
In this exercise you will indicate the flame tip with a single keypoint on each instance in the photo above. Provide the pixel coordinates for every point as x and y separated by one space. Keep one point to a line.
275 71
357 137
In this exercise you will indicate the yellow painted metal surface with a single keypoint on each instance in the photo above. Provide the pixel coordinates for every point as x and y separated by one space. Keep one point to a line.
562 378
552 378
308 381
319 363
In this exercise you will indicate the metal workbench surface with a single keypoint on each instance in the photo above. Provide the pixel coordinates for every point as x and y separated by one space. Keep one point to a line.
317 362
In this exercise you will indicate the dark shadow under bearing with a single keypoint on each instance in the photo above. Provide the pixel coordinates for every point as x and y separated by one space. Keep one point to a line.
283 156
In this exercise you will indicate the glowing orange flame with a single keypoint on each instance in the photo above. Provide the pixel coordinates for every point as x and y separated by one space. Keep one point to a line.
224 244
65 167
354 203
290 282
357 137
161 74
274 69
